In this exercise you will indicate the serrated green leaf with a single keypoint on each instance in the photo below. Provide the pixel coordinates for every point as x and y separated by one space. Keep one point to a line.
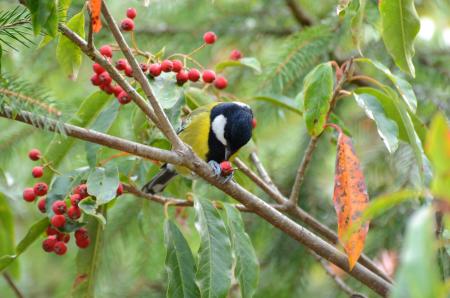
196 97
102 124
166 90
60 145
418 275
180 264
68 54
89 207
103 183
387 128
247 267
7 238
317 93
214 255
280 101
249 62
399 27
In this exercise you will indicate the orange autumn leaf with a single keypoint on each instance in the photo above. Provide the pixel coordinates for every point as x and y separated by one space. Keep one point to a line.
95 7
350 199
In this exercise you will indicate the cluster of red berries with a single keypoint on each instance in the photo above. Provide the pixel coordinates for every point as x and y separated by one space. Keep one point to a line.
40 188
127 24
56 241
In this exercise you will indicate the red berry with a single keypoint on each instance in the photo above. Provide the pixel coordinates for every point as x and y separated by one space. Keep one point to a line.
34 154
83 243
177 65
106 51
193 75
37 172
75 199
235 55
59 207
51 231
107 88
119 190
129 71
208 76
74 212
98 69
81 234
63 237
81 190
95 80
60 248
116 90
121 64
29 195
253 122
40 189
131 12
58 220
226 168
41 205
144 67
127 24
155 69
210 37
221 83
49 244
105 78
182 77
166 66
123 98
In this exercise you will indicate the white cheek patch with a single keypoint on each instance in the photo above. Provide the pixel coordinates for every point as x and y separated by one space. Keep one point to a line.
218 127
241 104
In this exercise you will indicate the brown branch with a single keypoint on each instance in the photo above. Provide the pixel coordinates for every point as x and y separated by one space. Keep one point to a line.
13 286
262 171
298 13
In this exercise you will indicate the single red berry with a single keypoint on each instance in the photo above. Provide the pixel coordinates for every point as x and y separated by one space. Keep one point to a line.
155 69
208 76
193 75
37 172
58 220
83 243
221 83
226 168
182 77
106 51
95 80
51 231
81 233
105 78
209 37
75 199
49 244
41 205
98 69
131 12
253 122
144 67
59 207
63 237
40 189
74 212
129 71
166 66
28 194
235 55
107 88
81 190
127 24
60 248
121 64
119 190
116 90
177 66
34 154
123 98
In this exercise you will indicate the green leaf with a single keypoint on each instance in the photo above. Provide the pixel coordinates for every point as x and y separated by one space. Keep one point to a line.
399 27
357 25
180 264
7 238
317 93
166 90
249 62
89 207
102 124
88 260
196 97
32 235
387 128
68 54
63 6
43 15
247 267
281 101
418 275
60 145
103 182
214 255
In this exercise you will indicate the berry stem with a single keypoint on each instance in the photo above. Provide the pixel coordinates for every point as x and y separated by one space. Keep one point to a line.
188 58
197 49
48 164
133 41
105 161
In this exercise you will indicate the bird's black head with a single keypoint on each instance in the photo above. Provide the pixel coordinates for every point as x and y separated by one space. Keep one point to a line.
231 128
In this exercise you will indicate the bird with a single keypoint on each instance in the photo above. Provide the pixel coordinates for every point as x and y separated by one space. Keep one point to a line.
215 133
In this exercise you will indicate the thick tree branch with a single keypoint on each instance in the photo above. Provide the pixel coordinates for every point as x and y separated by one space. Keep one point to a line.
298 13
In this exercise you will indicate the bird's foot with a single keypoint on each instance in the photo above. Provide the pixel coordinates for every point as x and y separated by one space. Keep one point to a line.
223 171
215 166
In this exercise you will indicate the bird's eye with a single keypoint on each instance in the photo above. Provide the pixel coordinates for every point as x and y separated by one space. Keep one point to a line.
253 122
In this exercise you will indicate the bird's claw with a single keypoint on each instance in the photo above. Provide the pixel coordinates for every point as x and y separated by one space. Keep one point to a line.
215 166
225 179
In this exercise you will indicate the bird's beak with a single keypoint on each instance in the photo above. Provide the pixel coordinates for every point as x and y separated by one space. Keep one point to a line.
253 122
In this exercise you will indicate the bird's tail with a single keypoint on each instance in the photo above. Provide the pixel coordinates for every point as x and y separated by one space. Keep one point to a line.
160 181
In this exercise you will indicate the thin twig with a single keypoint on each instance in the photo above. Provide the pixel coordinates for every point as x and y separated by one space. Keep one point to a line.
12 285
262 171
298 13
